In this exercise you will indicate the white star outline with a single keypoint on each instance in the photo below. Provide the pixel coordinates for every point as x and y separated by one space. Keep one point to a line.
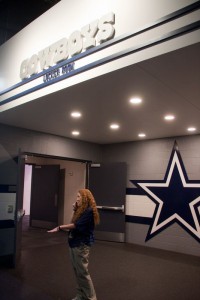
156 226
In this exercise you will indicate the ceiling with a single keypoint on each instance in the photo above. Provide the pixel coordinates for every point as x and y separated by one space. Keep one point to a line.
167 84
16 14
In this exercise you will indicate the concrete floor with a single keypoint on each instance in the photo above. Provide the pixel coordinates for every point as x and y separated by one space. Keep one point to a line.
119 271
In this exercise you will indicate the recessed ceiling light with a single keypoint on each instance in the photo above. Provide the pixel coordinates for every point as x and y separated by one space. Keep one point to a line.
169 117
141 135
135 100
75 132
191 129
76 114
114 126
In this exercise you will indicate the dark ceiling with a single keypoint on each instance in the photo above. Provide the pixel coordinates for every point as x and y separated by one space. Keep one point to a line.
17 14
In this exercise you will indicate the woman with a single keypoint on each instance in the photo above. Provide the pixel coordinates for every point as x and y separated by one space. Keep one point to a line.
80 239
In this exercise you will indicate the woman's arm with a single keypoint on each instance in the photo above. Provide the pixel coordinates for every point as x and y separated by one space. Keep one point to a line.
62 227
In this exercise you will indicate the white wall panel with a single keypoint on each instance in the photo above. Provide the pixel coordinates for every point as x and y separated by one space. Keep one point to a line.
140 206
7 206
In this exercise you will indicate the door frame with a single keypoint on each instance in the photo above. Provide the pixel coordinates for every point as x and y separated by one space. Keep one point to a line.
25 154
53 157
20 189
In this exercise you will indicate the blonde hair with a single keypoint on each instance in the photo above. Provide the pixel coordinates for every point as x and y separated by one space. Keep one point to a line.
87 201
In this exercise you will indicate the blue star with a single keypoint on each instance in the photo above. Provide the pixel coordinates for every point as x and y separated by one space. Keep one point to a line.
176 198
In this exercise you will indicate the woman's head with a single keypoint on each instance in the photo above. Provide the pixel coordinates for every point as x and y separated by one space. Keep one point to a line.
78 200
84 200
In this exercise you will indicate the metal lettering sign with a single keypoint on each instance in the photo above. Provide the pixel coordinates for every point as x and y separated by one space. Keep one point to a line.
89 36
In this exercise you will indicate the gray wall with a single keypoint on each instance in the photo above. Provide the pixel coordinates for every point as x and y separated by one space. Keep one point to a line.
148 160
12 139
145 160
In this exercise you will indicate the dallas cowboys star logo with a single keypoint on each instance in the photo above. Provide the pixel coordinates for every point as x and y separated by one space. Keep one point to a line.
176 197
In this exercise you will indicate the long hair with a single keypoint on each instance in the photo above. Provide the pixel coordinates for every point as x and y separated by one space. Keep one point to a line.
87 201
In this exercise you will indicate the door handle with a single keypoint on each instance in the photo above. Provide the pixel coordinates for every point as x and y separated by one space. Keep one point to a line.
113 208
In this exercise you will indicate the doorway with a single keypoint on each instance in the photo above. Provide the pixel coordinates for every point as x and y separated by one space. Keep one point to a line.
75 175
71 177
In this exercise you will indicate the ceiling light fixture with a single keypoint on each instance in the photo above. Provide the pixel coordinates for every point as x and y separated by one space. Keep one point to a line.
169 117
142 135
135 100
191 129
75 132
114 126
76 114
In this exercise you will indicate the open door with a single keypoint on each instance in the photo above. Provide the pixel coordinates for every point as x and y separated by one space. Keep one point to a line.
19 207
44 196
107 182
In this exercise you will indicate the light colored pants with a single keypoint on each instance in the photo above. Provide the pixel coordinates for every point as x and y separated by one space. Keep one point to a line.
80 260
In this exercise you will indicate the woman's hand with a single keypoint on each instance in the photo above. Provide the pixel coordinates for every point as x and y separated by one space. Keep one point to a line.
56 229
75 206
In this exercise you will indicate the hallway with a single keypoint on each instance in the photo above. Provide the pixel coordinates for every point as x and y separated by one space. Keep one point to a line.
119 271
